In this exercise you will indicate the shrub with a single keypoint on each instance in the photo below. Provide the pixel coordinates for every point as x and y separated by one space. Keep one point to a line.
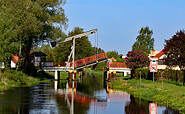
144 73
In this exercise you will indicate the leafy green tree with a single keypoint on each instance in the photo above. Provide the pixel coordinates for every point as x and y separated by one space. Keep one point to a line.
32 21
83 47
144 41
111 54
175 51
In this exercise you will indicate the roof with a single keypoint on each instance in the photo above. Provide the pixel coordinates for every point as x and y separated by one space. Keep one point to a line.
113 59
15 58
38 54
161 53
153 53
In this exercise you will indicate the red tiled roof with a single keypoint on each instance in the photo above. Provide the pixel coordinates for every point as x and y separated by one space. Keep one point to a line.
15 58
162 52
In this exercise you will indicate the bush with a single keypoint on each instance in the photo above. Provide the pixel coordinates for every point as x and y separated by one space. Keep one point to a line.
144 73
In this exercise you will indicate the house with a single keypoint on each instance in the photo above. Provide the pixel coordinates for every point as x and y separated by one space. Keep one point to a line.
37 58
160 56
153 53
112 59
14 60
122 56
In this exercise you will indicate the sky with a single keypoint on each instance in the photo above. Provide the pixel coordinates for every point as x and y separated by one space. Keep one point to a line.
119 21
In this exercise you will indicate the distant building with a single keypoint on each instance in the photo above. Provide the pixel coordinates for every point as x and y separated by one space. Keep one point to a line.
122 56
153 53
14 60
37 58
160 56
113 59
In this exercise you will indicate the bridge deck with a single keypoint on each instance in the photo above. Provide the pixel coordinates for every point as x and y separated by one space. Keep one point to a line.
79 64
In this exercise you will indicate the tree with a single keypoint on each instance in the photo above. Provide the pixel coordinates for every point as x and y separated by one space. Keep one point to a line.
32 21
175 51
136 59
111 54
144 41
83 47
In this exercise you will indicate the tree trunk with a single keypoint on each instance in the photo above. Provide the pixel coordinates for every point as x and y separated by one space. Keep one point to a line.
27 53
132 73
184 78
176 75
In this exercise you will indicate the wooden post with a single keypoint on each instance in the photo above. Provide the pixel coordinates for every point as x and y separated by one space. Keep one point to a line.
109 76
75 74
176 75
114 73
184 77
105 75
70 74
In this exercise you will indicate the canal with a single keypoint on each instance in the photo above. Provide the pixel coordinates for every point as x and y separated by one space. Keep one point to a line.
88 95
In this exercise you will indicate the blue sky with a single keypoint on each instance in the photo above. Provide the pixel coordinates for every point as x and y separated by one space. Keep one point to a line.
119 21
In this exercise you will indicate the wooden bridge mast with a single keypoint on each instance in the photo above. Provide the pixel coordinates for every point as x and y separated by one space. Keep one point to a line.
73 46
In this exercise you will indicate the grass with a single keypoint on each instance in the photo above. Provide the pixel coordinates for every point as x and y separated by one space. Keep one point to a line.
170 95
13 78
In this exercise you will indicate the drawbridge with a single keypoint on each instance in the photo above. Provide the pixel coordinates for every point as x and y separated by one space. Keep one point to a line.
78 64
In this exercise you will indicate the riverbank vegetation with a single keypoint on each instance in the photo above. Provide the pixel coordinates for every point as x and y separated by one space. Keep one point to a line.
167 94
13 78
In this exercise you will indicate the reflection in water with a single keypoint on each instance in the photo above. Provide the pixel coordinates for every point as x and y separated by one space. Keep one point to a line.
88 95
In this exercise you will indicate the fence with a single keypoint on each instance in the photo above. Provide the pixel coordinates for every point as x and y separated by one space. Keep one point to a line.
167 75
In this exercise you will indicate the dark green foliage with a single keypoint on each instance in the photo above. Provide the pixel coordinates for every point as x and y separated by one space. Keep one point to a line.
111 54
83 47
28 23
144 41
101 66
144 73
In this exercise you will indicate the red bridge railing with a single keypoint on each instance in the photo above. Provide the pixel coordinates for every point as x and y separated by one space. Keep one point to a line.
77 63
90 59
116 65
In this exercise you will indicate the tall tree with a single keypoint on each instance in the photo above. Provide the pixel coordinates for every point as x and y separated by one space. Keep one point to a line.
144 41
175 51
33 21
83 47
111 54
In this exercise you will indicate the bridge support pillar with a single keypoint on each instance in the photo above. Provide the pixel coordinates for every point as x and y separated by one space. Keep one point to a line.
74 74
114 73
70 74
124 73
57 74
105 75
109 76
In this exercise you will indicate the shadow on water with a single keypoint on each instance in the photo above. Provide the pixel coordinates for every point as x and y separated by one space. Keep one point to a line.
89 94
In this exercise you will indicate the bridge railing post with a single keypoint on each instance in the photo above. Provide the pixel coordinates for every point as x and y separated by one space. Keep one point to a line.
70 74
114 73
109 76
75 74
56 75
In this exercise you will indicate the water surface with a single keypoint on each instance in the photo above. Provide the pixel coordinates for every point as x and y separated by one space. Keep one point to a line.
89 95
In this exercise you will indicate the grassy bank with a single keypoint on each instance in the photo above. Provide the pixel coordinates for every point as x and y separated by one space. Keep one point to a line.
13 78
170 95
